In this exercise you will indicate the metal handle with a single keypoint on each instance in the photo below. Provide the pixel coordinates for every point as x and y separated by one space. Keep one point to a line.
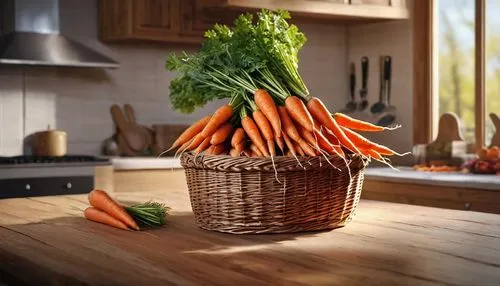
382 82
353 81
364 72
387 77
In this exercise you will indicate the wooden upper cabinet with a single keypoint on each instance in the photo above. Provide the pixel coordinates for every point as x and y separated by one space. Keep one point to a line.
156 19
185 21
176 21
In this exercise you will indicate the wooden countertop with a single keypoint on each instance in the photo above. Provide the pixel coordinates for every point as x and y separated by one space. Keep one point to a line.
46 240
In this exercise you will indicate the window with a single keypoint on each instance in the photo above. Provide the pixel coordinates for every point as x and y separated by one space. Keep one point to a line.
456 66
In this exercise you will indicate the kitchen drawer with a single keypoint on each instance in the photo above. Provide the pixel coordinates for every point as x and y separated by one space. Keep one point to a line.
35 187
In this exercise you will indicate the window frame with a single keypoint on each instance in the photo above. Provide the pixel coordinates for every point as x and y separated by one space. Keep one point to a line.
424 115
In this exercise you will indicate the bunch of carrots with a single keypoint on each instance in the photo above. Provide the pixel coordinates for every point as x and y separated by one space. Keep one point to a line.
294 129
104 209
270 112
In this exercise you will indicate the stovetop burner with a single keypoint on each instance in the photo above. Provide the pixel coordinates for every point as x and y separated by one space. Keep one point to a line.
27 159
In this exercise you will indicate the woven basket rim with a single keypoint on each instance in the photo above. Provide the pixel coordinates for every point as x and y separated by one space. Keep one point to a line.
266 164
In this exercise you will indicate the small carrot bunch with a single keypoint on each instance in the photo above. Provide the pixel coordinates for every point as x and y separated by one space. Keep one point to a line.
270 112
106 210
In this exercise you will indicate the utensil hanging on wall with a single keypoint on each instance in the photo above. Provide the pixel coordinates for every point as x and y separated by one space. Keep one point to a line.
389 112
379 106
352 105
364 80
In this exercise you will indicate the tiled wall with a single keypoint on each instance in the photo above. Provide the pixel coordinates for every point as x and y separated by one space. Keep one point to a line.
78 100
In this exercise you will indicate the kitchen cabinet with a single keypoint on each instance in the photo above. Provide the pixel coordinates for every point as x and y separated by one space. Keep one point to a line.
176 21
344 11
185 21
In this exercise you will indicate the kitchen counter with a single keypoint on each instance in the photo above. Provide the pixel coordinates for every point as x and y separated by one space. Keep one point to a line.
47 241
145 163
445 190
452 179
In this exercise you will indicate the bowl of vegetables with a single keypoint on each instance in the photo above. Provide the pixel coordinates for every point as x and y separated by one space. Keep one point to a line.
273 159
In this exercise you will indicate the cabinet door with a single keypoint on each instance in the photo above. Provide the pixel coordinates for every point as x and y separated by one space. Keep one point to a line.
156 19
195 18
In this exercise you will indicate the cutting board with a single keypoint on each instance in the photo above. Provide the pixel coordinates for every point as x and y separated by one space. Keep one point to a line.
449 147
495 141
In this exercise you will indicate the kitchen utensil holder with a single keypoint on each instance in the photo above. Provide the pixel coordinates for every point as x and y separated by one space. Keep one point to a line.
242 195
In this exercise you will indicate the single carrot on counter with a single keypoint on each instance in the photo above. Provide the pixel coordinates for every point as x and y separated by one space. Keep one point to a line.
96 215
102 201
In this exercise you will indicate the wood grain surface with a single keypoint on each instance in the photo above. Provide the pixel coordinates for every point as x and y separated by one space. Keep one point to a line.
46 241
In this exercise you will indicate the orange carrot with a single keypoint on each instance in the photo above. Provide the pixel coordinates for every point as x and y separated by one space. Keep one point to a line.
218 149
334 141
355 124
280 142
288 125
234 153
299 112
321 113
255 150
253 133
221 116
97 215
238 136
265 130
298 149
102 201
289 144
184 146
376 155
246 153
203 146
266 104
364 143
306 148
240 146
210 150
221 134
197 140
191 131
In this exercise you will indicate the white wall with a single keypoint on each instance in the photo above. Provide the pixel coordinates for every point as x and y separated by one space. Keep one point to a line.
78 100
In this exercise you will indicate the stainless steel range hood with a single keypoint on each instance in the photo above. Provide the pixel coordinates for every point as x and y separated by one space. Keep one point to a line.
29 35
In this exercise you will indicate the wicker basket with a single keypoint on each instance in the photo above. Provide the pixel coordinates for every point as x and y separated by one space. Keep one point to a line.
242 195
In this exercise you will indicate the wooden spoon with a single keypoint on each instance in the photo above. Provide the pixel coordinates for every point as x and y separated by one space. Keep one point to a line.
134 136
130 113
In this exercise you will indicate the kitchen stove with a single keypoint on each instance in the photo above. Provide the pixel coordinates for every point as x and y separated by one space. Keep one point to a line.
31 176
